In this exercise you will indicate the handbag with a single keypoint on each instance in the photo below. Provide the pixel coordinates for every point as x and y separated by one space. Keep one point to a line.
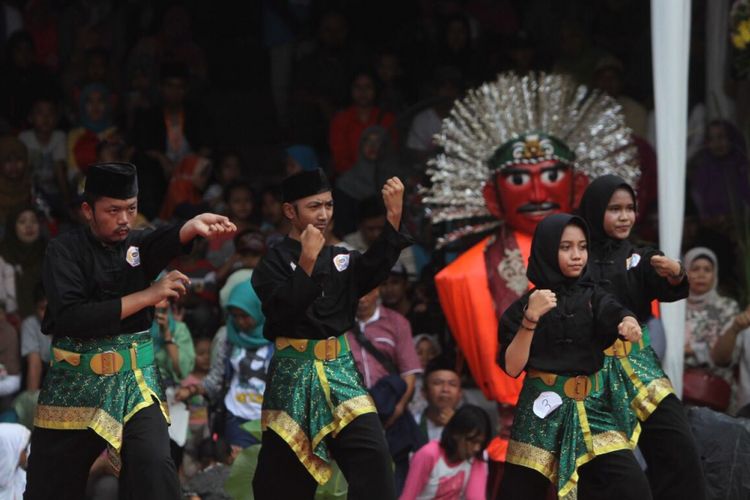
702 388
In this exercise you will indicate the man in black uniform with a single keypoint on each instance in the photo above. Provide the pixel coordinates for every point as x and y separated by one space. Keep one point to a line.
102 388
315 407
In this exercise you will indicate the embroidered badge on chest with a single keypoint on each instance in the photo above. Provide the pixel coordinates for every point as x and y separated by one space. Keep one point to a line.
341 261
632 261
133 256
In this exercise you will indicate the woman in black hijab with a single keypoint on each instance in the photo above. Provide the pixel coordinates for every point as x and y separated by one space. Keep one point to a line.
564 428
637 276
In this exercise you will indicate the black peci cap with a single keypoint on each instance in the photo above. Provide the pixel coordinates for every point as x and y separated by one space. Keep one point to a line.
304 184
113 179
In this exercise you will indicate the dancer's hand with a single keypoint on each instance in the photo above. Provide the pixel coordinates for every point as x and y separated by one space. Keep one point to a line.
312 240
173 285
208 225
540 303
666 267
393 198
630 329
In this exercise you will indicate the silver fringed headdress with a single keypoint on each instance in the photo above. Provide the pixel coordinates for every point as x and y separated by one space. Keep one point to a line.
503 118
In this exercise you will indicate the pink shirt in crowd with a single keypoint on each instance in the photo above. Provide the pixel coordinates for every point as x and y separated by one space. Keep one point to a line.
390 333
432 477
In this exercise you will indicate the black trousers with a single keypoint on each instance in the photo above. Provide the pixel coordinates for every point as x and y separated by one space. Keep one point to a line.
60 461
359 449
612 476
670 450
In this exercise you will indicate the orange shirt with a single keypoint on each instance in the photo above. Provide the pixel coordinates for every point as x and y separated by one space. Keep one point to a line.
345 133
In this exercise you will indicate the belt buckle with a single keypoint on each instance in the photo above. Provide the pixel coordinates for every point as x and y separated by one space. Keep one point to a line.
328 349
106 363
577 387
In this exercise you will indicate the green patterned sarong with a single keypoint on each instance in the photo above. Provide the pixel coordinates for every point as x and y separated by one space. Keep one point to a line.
635 370
77 399
308 399
568 437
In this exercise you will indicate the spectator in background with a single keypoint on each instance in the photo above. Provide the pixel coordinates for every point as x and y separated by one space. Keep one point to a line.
23 249
428 348
609 77
370 223
392 97
713 324
456 50
578 57
228 169
347 125
447 87
96 124
249 248
242 359
319 82
240 202
719 173
452 467
382 348
10 367
23 80
174 354
273 223
395 293
168 133
300 158
442 389
186 186
35 346
376 162
197 405
15 176
47 151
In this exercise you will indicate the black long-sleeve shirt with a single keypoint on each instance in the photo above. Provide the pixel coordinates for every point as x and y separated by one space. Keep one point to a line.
85 280
322 305
625 270
570 338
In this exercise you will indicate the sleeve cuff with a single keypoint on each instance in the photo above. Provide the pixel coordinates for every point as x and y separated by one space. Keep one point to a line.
397 238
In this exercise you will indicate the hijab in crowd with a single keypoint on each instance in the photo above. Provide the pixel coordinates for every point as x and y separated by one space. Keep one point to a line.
13 191
26 259
94 124
368 175
707 314
243 297
718 181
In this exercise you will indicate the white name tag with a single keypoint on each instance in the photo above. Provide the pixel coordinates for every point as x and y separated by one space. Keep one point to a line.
546 403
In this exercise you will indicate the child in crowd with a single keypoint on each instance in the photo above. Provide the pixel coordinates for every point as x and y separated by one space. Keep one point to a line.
35 346
240 204
15 177
273 223
95 124
47 151
452 468
228 170
565 430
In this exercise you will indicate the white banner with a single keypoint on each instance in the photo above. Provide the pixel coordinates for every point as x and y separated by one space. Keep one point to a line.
670 42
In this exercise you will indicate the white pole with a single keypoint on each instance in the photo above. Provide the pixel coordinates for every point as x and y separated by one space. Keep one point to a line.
670 41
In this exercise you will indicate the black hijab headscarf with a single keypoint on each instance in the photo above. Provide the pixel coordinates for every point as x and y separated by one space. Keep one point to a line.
594 204
544 268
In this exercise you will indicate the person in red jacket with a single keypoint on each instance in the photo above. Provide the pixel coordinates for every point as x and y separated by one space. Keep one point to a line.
347 125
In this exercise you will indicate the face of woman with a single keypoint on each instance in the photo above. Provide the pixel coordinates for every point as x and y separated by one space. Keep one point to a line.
425 352
363 91
717 141
619 217
96 107
572 253
371 146
242 320
241 204
701 276
27 227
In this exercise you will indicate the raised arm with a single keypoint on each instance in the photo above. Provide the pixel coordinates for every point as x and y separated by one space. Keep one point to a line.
517 353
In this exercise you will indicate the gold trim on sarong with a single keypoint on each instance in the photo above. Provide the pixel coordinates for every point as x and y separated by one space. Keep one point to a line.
282 424
80 418
646 402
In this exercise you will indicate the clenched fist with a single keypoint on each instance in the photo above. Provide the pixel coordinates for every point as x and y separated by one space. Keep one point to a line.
393 198
312 240
540 303
630 329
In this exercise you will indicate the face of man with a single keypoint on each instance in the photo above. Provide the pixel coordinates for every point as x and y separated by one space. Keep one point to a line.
316 210
443 389
111 219
393 290
371 228
530 192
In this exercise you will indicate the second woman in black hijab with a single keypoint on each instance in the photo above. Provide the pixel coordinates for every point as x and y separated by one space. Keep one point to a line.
637 276
564 430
